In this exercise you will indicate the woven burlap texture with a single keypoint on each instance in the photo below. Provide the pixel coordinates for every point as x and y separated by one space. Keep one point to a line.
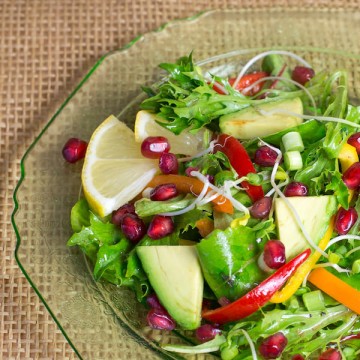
45 48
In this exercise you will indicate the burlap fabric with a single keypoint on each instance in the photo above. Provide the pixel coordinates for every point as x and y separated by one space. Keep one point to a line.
45 48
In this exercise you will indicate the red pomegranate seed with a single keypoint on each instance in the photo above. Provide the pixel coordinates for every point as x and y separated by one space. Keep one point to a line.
133 227
223 301
153 146
297 357
274 254
168 163
117 215
190 169
351 176
302 74
295 188
163 192
160 319
206 305
74 150
261 208
153 301
265 156
273 346
160 227
206 332
330 354
354 140
344 220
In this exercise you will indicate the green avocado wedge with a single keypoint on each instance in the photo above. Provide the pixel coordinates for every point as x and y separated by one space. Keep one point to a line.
252 122
174 273
313 211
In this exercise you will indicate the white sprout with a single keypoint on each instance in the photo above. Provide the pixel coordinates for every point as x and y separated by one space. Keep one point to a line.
252 61
335 266
288 204
352 251
201 153
192 205
302 87
309 117
251 344
210 196
341 237
221 191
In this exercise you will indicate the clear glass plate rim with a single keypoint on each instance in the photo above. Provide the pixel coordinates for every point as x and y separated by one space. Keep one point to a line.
134 41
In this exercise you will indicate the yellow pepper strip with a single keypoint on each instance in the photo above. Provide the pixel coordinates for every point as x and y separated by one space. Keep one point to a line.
347 157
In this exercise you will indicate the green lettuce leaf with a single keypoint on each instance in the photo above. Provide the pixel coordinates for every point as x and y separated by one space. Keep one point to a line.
146 207
80 215
109 259
229 261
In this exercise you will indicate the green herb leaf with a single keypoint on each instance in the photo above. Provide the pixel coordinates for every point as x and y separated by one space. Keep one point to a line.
229 261
80 215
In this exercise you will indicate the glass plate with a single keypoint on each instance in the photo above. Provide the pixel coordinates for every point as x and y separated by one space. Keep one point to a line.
98 320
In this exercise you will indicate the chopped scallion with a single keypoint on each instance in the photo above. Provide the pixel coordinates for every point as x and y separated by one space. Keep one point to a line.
293 160
292 141
314 300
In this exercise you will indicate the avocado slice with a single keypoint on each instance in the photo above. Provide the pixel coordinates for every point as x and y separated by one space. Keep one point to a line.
174 273
314 212
250 123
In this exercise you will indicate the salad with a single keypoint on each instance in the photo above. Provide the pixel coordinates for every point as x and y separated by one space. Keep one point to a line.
232 211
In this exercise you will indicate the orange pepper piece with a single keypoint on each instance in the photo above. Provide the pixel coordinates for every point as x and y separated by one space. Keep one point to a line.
336 288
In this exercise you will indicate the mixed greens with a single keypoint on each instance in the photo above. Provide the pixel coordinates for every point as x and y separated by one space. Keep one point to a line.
268 210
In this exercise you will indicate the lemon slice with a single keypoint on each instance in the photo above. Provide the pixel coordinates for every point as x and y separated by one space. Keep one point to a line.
185 143
114 169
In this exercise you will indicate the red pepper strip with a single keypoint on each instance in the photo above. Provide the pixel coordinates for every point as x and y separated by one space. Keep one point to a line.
240 161
257 297
245 81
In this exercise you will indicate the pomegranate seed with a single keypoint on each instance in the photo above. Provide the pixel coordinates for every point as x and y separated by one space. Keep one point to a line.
261 208
160 226
351 176
302 74
206 305
190 169
153 301
117 215
344 220
297 357
354 140
274 254
168 163
330 354
153 146
211 178
206 332
74 150
273 346
133 227
295 188
163 192
223 301
160 319
265 156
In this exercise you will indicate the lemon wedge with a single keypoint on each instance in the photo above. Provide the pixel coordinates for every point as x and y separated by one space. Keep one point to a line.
185 143
114 169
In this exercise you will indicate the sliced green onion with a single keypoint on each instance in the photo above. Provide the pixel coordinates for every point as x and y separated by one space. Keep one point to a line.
292 141
356 267
334 258
314 300
293 160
